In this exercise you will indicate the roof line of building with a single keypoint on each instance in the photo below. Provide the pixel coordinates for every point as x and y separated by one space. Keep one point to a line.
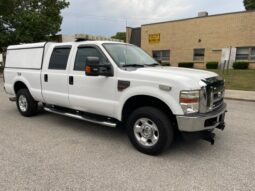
133 27
202 17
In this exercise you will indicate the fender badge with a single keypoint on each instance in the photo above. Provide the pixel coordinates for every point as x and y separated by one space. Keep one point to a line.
165 87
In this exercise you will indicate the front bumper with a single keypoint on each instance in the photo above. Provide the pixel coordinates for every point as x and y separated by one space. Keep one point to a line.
201 122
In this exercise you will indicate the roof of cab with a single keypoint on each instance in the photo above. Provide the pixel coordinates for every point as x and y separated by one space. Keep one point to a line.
42 44
98 42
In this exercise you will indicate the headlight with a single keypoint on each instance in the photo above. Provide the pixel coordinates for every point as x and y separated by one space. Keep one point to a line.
189 101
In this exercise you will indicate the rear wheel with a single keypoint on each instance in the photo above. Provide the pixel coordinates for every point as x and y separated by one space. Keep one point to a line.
150 130
26 104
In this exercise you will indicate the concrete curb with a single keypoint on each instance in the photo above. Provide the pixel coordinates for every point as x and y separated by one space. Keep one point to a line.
240 95
237 99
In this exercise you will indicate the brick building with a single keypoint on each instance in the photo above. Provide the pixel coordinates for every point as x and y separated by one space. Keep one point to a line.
200 39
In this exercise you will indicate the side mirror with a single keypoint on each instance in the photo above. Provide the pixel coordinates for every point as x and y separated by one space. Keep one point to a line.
94 68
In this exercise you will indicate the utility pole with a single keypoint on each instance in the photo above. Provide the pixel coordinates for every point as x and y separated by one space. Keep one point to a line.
229 57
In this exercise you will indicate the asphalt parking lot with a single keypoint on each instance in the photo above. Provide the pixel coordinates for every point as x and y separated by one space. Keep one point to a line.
51 152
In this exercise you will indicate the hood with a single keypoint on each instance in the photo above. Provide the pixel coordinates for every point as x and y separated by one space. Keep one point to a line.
189 77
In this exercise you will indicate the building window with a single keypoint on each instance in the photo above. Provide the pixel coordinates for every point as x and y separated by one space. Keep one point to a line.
199 54
245 53
161 55
252 56
59 58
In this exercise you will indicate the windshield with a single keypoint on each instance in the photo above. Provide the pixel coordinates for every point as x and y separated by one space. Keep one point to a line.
125 55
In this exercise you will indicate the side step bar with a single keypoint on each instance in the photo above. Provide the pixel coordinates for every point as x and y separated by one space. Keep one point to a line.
76 116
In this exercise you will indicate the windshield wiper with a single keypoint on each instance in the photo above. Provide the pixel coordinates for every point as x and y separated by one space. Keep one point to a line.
132 65
153 64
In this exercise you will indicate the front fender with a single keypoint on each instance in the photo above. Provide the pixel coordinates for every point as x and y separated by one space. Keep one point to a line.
168 97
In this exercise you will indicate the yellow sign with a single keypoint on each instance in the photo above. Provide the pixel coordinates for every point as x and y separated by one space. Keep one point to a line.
154 38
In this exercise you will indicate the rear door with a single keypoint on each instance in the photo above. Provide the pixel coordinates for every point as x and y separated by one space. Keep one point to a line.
54 76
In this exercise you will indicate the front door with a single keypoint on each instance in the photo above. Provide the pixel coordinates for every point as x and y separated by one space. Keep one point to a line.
54 77
93 94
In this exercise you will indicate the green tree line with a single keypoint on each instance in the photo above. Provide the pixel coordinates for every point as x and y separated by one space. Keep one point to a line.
25 21
249 4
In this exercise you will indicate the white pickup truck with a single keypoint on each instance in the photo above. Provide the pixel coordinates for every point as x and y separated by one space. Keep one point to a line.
112 84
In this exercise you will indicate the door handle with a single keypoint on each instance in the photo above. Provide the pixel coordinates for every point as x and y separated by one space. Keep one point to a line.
46 77
71 80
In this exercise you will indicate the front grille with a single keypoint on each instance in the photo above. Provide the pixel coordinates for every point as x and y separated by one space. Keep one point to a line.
218 97
213 94
217 103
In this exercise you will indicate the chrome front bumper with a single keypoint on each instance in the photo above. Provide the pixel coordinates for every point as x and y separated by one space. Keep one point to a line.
201 122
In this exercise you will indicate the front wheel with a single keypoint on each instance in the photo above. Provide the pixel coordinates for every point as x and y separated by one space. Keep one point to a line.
149 130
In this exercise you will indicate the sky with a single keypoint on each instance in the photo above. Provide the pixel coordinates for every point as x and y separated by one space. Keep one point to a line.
106 17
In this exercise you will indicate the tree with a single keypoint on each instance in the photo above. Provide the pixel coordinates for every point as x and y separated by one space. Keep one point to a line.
120 36
249 4
26 21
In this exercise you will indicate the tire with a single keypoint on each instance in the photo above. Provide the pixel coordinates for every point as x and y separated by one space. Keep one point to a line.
26 104
150 130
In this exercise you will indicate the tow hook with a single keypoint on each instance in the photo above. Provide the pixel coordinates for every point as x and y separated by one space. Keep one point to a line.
209 136
221 126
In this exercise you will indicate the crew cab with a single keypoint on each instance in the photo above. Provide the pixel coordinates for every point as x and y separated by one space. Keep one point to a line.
116 84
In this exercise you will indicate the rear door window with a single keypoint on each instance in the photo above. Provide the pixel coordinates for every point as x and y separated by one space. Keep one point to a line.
59 58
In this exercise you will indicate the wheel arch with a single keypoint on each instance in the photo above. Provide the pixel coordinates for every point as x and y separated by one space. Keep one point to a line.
18 85
138 101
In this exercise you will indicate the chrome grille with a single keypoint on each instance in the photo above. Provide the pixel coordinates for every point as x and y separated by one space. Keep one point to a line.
212 95
218 96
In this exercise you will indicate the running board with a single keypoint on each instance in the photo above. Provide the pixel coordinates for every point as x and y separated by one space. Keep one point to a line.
76 116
